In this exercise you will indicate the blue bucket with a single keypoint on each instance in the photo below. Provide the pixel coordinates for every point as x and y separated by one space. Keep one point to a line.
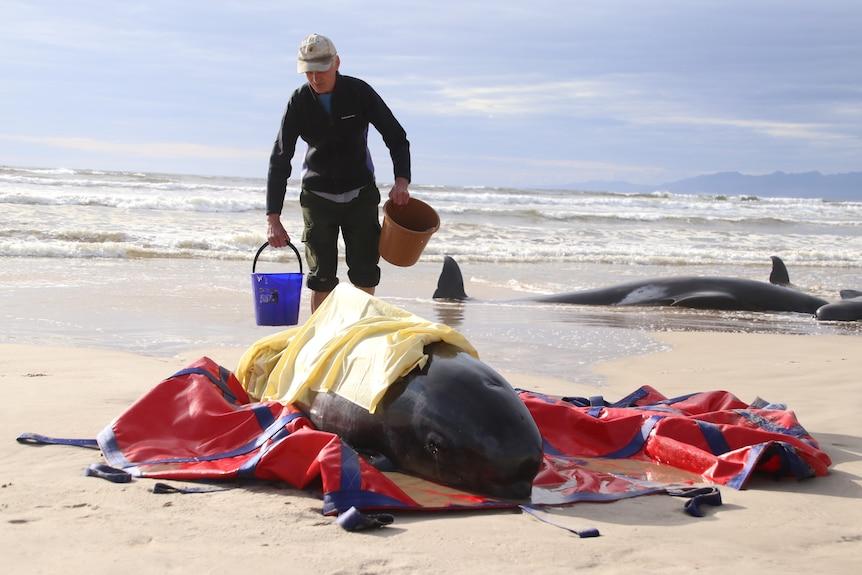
276 296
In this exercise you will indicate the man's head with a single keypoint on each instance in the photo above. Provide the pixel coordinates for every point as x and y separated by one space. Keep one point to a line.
319 61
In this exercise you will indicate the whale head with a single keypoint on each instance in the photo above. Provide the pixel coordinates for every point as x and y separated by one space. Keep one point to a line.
459 423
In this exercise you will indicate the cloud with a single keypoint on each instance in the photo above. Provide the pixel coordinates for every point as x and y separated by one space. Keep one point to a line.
454 97
537 171
567 169
166 150
636 100
120 32
520 99
813 132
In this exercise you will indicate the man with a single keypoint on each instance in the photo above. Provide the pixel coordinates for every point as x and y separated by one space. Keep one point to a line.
331 114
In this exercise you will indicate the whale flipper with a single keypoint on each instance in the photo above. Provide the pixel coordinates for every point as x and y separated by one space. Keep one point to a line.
779 275
450 285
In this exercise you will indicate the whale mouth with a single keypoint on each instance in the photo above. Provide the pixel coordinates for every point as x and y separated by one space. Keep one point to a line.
516 484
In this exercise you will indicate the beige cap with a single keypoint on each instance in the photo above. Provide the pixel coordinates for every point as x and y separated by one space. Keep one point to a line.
316 54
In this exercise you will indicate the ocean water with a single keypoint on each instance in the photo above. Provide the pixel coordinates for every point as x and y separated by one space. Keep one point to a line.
97 214
157 263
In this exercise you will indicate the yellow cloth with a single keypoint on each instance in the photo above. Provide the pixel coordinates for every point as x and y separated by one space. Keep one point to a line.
354 345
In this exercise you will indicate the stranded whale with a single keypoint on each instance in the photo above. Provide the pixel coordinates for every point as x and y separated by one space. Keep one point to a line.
455 421
849 308
720 293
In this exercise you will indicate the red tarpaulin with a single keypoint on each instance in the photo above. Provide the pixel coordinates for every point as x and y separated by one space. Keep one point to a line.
200 424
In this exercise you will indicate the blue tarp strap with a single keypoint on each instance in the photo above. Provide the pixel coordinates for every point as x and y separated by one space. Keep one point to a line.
108 473
160 487
36 439
697 496
541 516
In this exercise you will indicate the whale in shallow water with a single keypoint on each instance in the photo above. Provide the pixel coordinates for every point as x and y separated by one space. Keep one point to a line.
456 422
719 293
849 308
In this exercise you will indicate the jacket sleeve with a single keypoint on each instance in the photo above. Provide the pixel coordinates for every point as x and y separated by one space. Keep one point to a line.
279 160
394 136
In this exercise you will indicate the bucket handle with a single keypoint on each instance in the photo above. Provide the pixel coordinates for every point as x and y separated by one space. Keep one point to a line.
290 245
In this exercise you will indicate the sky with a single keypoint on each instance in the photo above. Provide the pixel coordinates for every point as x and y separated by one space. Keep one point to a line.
496 93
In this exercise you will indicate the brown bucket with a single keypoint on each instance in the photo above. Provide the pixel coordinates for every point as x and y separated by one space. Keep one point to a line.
406 230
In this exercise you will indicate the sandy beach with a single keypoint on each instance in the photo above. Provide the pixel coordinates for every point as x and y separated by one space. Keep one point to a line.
688 172
55 520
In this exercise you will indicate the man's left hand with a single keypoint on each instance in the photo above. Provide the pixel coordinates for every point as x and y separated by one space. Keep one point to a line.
399 194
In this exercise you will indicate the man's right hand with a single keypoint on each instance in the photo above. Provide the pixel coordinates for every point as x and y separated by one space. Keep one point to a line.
276 235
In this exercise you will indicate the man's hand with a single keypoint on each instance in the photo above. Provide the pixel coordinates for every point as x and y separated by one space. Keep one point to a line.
399 194
276 235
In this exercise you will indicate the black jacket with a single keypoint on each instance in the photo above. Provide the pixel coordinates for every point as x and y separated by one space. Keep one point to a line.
337 159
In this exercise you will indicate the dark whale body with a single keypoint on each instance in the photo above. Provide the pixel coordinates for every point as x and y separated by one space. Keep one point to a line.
456 422
848 309
720 293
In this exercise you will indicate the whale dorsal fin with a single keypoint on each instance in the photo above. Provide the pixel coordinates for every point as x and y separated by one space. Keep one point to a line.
779 275
850 294
450 285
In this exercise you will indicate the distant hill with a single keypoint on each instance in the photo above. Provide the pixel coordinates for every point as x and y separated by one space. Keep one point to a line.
778 184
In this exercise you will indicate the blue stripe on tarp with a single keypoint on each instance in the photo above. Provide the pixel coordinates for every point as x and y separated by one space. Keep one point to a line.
637 442
631 399
350 493
537 395
550 449
351 475
660 408
261 412
766 425
754 454
633 446
790 462
282 433
222 385
340 501
224 376
597 404
264 416
110 449
714 437
677 399
248 469
265 436
576 401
